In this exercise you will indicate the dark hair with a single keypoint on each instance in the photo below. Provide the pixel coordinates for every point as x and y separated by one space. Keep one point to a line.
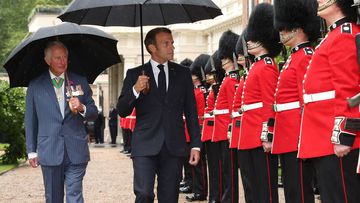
151 35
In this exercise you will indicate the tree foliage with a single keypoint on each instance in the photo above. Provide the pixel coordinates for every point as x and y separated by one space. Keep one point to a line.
12 108
14 20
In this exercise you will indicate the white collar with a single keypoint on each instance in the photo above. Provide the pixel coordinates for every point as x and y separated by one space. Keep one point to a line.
52 76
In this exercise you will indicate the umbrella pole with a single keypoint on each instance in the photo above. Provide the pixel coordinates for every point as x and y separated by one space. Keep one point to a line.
147 89
141 35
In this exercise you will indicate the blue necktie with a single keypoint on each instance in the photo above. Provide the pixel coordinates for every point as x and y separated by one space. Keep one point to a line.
162 81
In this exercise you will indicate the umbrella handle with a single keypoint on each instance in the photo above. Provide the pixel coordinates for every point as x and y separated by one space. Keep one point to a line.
73 110
147 88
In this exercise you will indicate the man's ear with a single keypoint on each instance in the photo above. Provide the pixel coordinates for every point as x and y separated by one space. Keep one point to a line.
152 48
47 61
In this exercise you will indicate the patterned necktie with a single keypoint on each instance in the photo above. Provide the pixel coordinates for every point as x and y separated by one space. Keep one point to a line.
57 82
162 81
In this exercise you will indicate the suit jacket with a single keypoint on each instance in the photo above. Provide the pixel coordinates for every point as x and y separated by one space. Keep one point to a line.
161 121
47 132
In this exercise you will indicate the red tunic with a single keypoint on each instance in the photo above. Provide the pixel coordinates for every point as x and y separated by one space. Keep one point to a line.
127 122
208 124
289 89
199 92
132 120
333 67
259 86
235 121
224 102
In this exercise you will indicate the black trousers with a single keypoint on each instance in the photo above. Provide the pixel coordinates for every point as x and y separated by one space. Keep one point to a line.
188 171
214 166
337 178
166 167
297 176
113 133
230 179
259 175
127 139
200 185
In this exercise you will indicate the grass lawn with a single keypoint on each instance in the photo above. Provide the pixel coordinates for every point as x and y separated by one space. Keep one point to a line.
6 167
2 146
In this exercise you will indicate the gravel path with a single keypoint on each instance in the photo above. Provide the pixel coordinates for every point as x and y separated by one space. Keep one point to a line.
108 179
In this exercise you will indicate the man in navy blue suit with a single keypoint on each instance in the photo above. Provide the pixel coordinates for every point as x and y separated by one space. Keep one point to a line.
55 136
158 141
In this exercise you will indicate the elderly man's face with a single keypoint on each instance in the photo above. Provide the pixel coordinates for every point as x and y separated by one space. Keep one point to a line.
57 60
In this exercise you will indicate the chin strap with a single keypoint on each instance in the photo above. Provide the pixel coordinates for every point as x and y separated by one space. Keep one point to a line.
326 5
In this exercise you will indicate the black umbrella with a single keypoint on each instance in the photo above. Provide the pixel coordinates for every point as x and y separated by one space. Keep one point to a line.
91 51
135 13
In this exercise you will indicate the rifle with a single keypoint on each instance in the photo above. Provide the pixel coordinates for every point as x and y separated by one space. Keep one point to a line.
323 28
246 55
355 100
283 54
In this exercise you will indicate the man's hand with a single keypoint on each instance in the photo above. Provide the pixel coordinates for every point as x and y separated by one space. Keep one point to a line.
34 162
141 83
341 150
267 146
76 104
194 157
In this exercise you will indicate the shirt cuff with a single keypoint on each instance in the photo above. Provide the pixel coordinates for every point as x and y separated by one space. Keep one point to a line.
32 155
135 93
196 148
84 112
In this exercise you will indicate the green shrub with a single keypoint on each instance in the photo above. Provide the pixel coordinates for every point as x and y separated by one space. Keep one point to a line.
12 108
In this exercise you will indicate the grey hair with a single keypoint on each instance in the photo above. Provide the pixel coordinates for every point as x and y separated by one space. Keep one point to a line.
50 45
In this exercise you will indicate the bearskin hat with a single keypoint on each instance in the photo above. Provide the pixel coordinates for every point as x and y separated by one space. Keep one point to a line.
347 9
227 44
198 66
186 62
291 14
239 49
217 69
261 28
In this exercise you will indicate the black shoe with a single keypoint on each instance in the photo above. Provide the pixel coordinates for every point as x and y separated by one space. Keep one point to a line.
195 197
186 189
214 201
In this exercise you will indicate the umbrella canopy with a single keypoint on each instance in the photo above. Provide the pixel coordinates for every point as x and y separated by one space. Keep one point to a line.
133 13
91 51
128 12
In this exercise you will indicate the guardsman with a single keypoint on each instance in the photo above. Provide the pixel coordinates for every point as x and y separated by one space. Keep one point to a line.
332 77
234 129
214 75
299 26
222 113
200 184
256 163
129 127
186 183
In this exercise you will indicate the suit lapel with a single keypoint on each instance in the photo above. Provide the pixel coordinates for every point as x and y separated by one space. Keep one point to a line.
153 87
171 79
50 90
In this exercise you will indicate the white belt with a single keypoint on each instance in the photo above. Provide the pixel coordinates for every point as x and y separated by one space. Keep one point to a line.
248 107
131 117
207 115
222 111
235 114
319 96
286 106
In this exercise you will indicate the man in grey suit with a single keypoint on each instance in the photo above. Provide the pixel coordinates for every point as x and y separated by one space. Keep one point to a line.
55 135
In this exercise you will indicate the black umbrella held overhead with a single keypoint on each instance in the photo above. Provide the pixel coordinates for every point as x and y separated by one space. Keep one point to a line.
133 13
91 51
